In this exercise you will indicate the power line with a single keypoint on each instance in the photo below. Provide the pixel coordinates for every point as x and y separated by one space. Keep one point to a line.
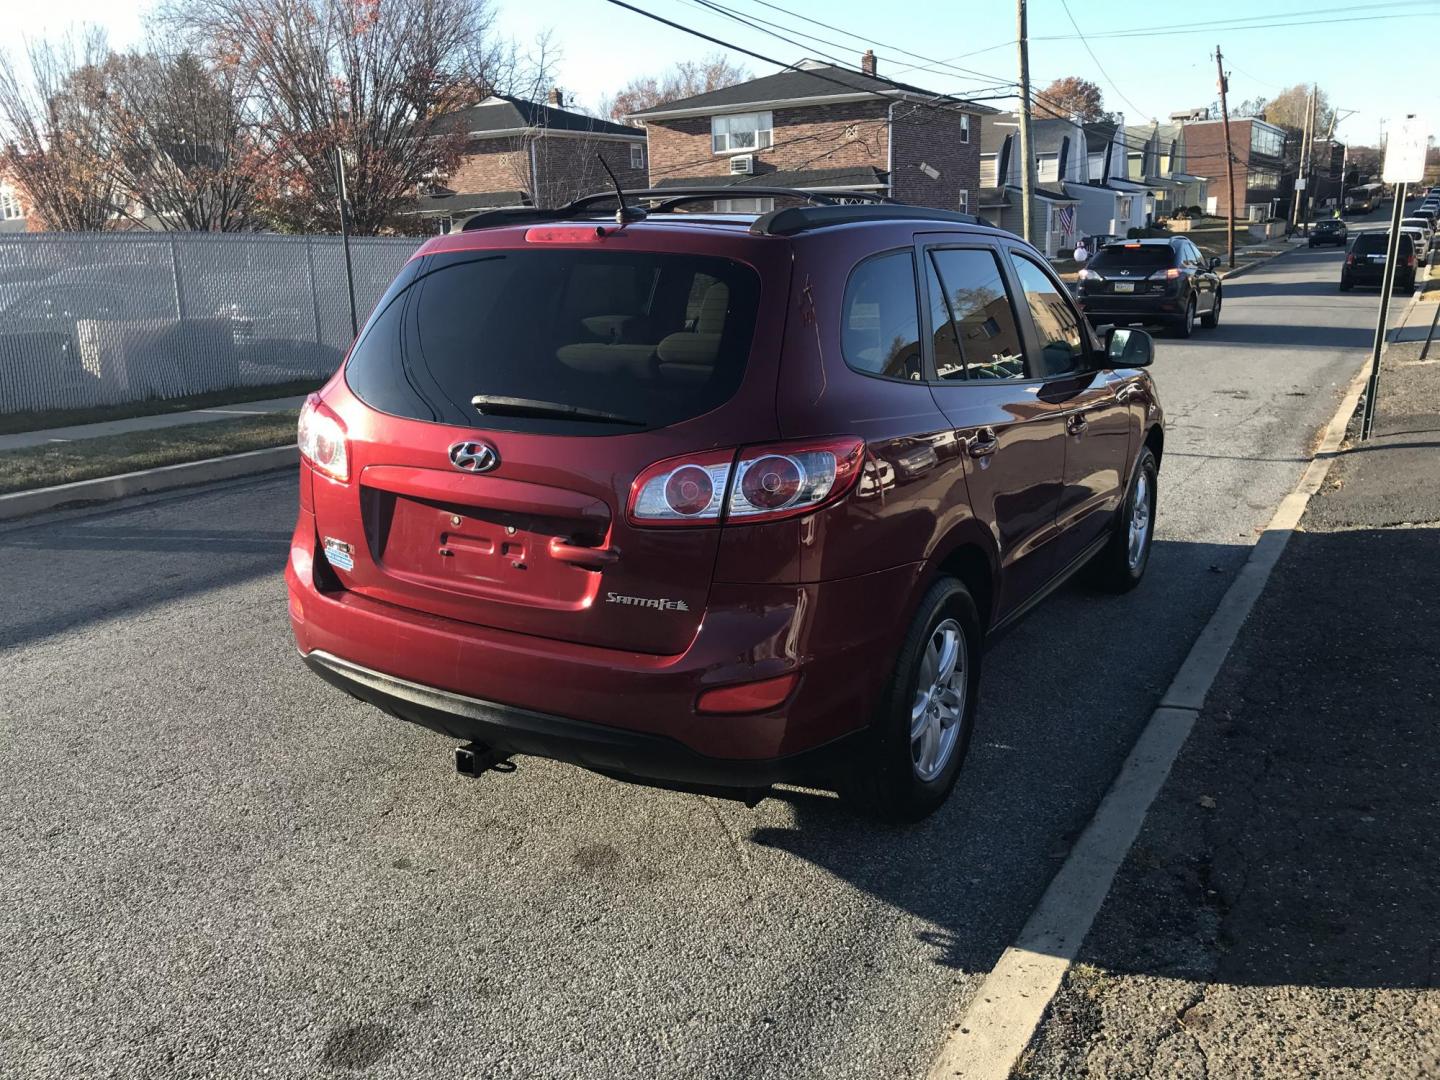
1216 27
1068 14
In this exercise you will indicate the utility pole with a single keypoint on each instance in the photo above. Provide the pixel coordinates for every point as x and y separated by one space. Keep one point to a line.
1297 193
1229 159
1027 155
345 236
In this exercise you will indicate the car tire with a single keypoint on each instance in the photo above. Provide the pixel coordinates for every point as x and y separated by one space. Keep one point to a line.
911 757
1184 326
1312 245
1211 318
1345 285
1121 563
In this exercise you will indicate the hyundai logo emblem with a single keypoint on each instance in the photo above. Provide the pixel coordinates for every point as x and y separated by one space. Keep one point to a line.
474 456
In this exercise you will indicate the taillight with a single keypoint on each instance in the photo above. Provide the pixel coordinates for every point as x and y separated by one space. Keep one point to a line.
321 438
682 491
1350 260
764 483
791 478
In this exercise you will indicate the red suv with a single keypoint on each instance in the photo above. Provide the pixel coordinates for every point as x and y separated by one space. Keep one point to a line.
713 501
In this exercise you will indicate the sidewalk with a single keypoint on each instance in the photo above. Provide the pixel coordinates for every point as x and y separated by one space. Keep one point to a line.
1279 915
147 423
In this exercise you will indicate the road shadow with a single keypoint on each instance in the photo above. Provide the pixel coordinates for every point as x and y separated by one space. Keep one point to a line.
1296 842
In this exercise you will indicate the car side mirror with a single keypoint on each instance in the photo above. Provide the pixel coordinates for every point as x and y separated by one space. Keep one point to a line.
1214 262
1129 347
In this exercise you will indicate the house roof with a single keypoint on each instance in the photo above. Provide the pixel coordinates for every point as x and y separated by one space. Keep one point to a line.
1099 136
806 81
994 196
807 179
1046 136
454 203
500 115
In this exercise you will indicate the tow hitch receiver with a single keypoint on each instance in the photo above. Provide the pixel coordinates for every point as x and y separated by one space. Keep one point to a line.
472 759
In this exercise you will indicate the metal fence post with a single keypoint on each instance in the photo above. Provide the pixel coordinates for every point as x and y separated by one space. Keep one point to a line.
175 276
314 290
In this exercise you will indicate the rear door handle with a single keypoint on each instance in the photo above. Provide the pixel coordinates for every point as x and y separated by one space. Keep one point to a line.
1077 424
587 558
983 443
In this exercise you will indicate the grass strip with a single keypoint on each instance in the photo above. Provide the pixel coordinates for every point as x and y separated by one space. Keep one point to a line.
86 459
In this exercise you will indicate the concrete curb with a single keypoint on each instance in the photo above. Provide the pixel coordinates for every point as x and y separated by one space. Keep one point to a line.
106 488
1228 274
1001 1019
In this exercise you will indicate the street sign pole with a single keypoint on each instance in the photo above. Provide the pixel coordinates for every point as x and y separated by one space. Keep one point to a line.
1387 285
1404 164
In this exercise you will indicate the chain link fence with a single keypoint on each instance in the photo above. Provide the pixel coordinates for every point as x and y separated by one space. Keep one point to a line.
103 319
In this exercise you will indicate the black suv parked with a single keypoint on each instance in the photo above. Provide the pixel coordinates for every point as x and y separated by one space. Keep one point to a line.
1153 281
1365 262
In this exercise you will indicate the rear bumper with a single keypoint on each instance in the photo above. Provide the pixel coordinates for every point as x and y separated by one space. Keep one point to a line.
1105 308
620 712
629 755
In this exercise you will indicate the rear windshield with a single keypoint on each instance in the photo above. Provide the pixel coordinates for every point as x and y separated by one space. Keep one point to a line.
1378 242
646 339
1143 256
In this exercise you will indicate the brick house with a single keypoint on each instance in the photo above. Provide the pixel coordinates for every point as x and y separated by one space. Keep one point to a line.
821 128
527 153
1259 153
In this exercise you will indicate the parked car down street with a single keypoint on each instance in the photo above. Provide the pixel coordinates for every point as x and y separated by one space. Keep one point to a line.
546 522
1166 281
1365 262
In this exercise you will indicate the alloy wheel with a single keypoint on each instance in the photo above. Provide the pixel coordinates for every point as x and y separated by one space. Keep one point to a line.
1140 518
940 693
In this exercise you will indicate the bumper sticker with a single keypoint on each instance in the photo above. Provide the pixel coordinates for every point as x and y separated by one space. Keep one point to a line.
339 554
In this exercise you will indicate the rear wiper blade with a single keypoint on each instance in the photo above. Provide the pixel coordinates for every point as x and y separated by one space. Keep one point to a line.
515 406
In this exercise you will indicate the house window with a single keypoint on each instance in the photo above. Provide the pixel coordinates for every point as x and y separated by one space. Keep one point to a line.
740 132
964 200
637 155
964 127
9 203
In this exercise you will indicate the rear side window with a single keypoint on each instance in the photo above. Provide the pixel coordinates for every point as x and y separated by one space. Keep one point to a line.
1062 347
650 339
975 331
880 331
1134 257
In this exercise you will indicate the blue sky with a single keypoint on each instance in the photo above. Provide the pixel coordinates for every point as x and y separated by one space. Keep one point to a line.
1378 66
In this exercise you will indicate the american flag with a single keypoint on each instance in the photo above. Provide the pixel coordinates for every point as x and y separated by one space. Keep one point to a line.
1067 219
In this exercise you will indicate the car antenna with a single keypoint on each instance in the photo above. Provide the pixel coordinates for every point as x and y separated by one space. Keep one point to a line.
625 213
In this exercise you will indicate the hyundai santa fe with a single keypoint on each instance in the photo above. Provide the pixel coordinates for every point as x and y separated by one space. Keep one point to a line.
714 501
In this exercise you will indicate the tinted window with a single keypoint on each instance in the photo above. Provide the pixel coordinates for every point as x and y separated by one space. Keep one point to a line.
1378 243
1134 256
1061 345
975 332
880 332
650 337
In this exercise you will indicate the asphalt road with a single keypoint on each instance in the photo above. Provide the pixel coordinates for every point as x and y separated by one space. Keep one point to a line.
214 864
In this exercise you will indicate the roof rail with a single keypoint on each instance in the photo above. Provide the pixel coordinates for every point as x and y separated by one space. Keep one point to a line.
798 219
666 198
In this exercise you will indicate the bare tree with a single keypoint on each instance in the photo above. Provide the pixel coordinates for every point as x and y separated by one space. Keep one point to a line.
685 79
56 131
364 78
182 144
